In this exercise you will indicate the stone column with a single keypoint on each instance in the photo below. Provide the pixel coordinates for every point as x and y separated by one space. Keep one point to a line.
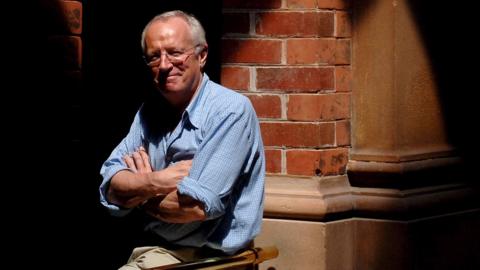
406 173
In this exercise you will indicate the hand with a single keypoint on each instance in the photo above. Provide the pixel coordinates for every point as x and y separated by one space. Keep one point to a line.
163 181
175 208
130 188
139 161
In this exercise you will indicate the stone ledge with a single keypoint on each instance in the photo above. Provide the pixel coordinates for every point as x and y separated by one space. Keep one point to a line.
306 198
405 174
321 198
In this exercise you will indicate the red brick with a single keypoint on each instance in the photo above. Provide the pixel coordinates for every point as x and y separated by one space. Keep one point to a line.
342 52
301 3
267 106
236 23
334 4
311 51
343 79
251 51
252 3
295 24
303 162
273 160
334 161
235 77
317 162
66 51
64 17
297 134
295 79
342 133
318 107
343 24
73 16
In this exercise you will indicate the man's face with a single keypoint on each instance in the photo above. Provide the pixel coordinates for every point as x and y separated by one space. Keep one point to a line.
175 66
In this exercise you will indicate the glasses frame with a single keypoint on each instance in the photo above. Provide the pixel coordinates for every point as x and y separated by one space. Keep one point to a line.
172 59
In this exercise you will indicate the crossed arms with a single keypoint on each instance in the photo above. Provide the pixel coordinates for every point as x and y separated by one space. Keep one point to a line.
230 147
155 191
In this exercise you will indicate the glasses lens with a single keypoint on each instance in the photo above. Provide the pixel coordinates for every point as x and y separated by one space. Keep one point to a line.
173 59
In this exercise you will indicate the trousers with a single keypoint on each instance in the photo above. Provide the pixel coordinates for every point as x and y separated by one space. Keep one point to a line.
152 256
148 257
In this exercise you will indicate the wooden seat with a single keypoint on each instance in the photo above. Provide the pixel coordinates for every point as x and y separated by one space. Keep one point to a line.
248 259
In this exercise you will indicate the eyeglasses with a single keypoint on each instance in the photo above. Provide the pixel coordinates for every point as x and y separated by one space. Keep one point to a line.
175 57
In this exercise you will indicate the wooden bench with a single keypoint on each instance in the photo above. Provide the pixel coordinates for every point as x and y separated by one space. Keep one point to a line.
248 259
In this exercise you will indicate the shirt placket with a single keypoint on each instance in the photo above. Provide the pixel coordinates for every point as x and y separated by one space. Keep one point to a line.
169 140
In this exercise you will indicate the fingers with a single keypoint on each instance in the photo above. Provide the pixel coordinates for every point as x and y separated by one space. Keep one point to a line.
145 159
130 163
187 162
183 166
138 161
137 158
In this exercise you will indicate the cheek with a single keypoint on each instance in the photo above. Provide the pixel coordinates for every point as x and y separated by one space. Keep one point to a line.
154 72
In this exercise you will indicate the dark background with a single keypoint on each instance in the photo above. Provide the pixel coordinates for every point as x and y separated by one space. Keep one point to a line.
59 131
115 82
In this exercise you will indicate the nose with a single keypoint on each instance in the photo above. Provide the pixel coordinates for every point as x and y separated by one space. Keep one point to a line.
165 64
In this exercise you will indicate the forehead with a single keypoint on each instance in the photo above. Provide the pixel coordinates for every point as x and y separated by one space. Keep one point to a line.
172 31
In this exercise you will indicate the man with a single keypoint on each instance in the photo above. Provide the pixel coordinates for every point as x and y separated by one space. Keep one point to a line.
193 158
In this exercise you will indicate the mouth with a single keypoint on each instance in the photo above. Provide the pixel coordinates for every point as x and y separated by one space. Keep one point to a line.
170 75
165 79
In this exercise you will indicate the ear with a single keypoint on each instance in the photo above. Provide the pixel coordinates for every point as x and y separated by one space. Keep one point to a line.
203 56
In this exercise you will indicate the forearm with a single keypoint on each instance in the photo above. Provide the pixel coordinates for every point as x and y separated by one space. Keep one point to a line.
128 189
175 208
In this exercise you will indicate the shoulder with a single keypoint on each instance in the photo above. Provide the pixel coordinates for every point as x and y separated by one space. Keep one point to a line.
223 99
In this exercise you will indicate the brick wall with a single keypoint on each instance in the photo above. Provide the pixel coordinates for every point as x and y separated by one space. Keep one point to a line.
66 47
292 59
65 34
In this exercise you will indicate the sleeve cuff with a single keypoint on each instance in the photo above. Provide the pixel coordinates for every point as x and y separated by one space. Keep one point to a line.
212 203
113 209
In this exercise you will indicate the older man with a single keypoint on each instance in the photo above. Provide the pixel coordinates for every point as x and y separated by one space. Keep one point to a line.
193 158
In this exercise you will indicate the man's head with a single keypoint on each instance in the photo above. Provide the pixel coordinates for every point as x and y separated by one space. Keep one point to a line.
175 49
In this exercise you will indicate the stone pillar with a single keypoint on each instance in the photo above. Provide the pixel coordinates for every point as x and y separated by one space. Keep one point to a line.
399 124
409 189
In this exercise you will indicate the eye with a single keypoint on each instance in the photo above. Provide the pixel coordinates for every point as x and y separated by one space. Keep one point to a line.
153 58
175 53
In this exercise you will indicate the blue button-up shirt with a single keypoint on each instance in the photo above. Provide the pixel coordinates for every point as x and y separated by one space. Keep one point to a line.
220 131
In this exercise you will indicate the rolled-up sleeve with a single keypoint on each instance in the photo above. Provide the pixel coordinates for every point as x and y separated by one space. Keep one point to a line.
115 163
222 157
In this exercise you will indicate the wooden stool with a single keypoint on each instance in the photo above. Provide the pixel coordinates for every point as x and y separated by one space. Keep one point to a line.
248 259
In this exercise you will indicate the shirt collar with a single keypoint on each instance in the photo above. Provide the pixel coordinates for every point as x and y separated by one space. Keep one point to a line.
194 110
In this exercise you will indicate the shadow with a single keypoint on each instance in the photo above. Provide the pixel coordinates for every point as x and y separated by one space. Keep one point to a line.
116 81
116 78
360 10
445 35
442 33
43 216
61 122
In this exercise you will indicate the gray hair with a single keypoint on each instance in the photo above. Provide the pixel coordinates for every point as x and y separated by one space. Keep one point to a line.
196 28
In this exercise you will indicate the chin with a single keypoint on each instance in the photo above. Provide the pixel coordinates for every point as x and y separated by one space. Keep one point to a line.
168 87
171 92
171 89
